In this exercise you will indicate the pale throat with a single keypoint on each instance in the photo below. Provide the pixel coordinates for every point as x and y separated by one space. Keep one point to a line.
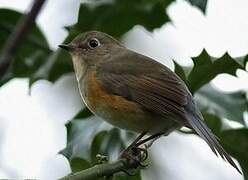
80 67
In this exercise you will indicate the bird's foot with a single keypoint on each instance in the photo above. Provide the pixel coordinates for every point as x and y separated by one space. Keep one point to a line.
136 155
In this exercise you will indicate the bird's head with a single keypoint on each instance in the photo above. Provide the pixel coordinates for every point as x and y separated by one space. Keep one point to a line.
89 49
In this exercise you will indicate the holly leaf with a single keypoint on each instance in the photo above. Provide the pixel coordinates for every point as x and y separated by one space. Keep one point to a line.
235 142
117 18
205 69
80 134
33 53
201 4
213 122
224 105
90 136
85 113
245 60
180 71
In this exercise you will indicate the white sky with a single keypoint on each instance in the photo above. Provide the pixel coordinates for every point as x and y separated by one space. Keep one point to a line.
32 127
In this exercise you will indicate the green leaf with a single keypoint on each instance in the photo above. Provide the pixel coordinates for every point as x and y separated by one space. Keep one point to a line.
201 4
79 164
33 52
91 136
109 143
205 69
235 142
225 105
96 146
80 135
117 18
83 114
8 20
213 122
180 72
112 144
245 60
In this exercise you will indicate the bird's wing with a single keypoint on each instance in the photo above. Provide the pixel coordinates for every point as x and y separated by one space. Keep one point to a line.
157 89
148 83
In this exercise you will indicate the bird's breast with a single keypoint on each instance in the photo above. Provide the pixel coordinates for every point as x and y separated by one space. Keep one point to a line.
115 109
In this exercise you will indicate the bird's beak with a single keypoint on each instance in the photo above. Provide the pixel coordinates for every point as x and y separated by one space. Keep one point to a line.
67 47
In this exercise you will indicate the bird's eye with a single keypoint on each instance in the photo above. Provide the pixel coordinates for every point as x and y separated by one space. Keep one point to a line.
93 43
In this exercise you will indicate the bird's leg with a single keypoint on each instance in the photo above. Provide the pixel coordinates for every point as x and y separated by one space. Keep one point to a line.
137 150
125 152
133 151
133 144
137 154
152 137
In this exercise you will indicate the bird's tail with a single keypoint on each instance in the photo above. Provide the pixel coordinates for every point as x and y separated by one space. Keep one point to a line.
195 120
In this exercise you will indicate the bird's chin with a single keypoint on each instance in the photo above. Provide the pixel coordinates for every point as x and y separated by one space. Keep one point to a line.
79 66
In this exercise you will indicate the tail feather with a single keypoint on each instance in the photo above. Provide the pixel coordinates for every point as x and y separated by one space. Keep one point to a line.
195 120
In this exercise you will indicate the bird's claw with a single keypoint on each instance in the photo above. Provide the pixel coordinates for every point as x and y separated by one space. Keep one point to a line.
136 154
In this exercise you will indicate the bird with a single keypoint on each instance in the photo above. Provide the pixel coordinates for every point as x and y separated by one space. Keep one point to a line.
135 92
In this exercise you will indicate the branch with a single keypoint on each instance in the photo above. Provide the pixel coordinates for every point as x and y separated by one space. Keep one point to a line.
17 36
103 170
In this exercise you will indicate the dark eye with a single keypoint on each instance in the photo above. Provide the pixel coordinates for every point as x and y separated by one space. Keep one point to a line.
93 43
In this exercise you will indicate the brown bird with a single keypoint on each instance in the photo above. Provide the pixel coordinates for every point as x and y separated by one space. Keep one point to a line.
134 92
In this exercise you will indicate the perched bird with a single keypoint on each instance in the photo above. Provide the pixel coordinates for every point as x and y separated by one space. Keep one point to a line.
134 92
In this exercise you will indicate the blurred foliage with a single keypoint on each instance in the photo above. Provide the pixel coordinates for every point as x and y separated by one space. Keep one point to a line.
224 105
31 55
117 18
233 140
35 60
77 164
201 4
100 138
85 143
